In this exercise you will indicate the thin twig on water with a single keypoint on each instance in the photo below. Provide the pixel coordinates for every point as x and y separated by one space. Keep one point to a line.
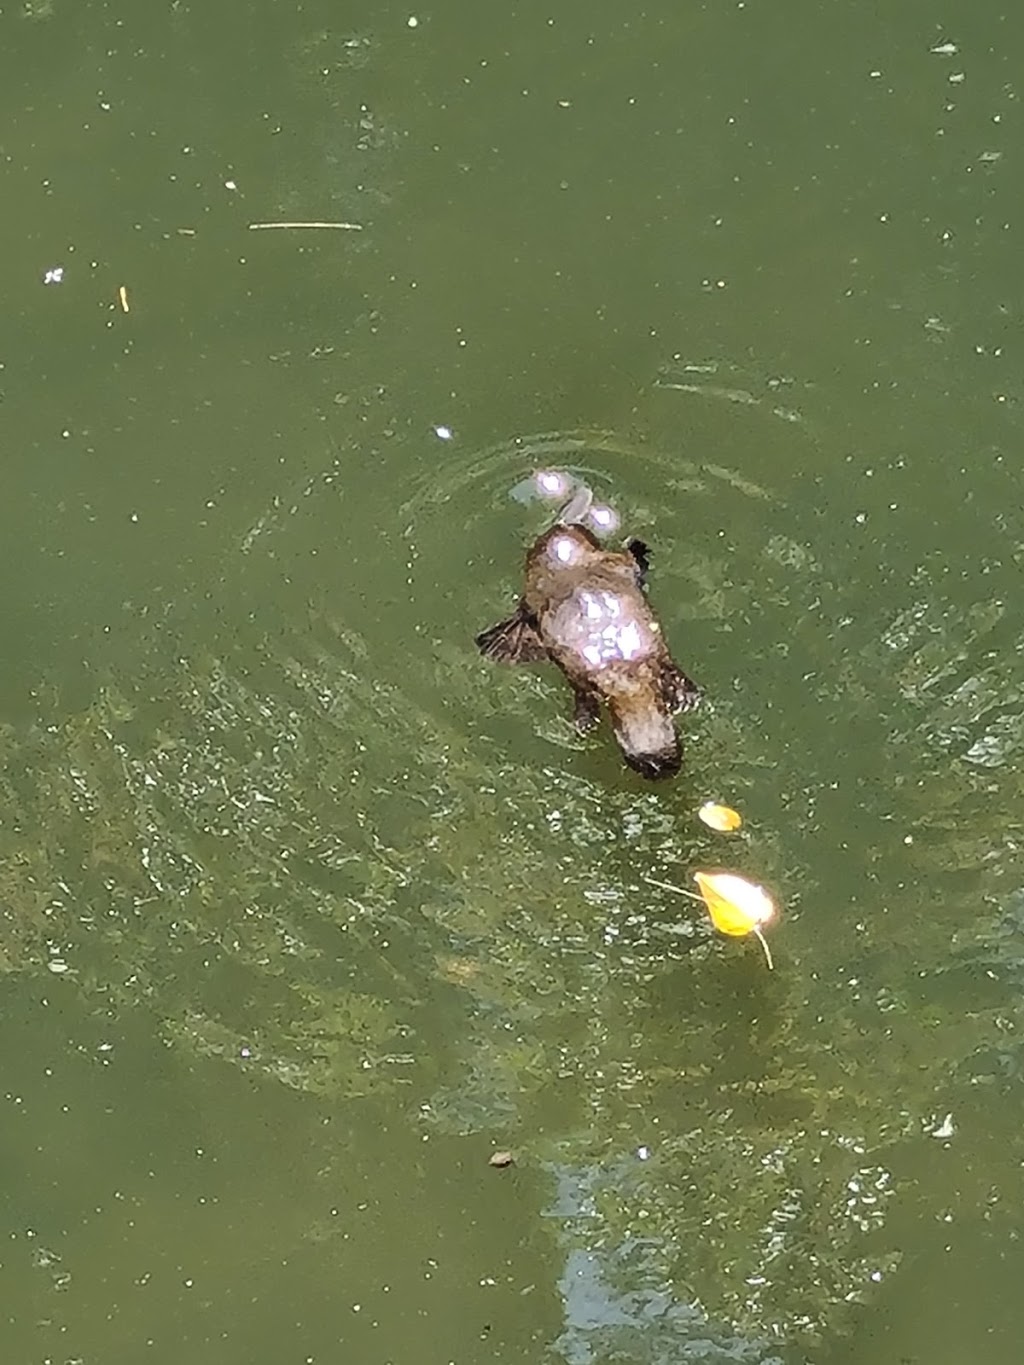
344 227
679 890
764 944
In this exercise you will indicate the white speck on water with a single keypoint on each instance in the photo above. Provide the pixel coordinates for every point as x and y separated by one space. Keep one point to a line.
55 275
57 965
945 49
412 21
946 1128
643 1153
443 433
230 185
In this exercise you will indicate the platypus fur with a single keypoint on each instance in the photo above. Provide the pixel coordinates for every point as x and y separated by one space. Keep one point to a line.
584 607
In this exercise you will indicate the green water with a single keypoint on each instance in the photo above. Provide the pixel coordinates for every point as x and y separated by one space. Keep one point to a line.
306 910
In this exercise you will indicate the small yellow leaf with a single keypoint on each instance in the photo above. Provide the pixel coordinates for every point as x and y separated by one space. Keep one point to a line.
736 906
722 818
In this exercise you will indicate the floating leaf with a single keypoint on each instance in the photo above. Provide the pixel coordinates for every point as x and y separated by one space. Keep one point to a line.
722 818
737 907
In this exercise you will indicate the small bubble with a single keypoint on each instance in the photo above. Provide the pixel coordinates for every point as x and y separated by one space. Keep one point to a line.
604 518
443 433
552 483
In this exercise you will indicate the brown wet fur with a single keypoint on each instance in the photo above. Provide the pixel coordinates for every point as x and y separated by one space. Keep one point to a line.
641 693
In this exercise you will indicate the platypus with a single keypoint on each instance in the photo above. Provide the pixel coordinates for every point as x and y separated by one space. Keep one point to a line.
585 608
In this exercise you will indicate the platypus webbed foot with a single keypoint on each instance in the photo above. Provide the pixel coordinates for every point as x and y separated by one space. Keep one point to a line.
681 692
641 553
512 641
586 711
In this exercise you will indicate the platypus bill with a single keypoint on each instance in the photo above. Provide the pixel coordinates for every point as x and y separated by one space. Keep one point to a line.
584 608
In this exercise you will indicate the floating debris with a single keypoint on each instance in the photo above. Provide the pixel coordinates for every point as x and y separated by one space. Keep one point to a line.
737 907
343 227
722 818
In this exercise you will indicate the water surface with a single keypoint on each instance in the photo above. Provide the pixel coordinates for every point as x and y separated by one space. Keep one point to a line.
308 910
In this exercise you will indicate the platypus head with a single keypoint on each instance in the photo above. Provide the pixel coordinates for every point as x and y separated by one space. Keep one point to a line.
564 550
646 735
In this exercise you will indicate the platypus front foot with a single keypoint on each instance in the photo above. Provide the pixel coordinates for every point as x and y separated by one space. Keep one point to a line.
642 555
681 692
586 711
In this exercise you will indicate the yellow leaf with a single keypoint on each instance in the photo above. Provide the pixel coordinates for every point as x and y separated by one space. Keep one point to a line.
722 818
736 906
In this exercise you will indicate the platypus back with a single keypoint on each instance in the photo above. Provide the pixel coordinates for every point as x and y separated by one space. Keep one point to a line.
584 608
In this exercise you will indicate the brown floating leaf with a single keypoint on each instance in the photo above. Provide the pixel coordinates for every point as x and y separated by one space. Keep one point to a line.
722 818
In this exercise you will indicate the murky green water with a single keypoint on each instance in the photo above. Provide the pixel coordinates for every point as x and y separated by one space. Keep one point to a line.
306 910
